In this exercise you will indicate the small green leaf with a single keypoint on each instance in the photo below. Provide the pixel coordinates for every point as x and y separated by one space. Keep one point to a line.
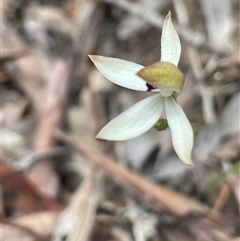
161 125
163 75
222 175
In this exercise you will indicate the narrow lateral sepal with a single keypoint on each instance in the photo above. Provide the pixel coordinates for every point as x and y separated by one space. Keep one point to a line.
181 130
135 121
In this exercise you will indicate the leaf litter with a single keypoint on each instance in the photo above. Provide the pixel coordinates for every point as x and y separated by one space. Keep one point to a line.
53 103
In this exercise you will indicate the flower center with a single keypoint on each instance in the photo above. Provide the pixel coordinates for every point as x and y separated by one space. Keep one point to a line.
150 87
166 93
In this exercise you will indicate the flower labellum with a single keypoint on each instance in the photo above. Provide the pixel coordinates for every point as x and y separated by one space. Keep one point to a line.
163 77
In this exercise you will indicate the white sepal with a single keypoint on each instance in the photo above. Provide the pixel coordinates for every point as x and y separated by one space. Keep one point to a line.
170 43
181 129
120 72
135 121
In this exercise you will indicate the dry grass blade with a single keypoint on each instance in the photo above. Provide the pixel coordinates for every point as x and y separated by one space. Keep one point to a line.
76 221
86 209
131 25
172 202
42 173
55 101
219 22
194 38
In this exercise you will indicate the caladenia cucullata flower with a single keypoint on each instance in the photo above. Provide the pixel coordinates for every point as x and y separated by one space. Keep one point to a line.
162 78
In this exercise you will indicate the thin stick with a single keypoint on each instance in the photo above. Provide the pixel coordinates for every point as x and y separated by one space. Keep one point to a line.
220 202
171 201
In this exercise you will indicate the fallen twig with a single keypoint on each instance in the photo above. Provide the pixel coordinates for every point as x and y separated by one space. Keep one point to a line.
11 54
171 201
191 37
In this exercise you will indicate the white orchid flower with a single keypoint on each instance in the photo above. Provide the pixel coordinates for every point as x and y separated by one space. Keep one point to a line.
162 77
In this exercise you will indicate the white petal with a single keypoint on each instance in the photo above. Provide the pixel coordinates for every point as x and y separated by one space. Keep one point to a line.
134 121
182 133
120 72
170 43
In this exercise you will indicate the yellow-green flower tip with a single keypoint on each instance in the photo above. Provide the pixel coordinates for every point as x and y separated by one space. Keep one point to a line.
163 75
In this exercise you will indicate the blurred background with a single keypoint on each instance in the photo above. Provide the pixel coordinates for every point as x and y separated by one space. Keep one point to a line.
57 182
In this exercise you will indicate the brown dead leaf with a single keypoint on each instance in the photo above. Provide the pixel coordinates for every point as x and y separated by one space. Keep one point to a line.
32 227
13 233
27 198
